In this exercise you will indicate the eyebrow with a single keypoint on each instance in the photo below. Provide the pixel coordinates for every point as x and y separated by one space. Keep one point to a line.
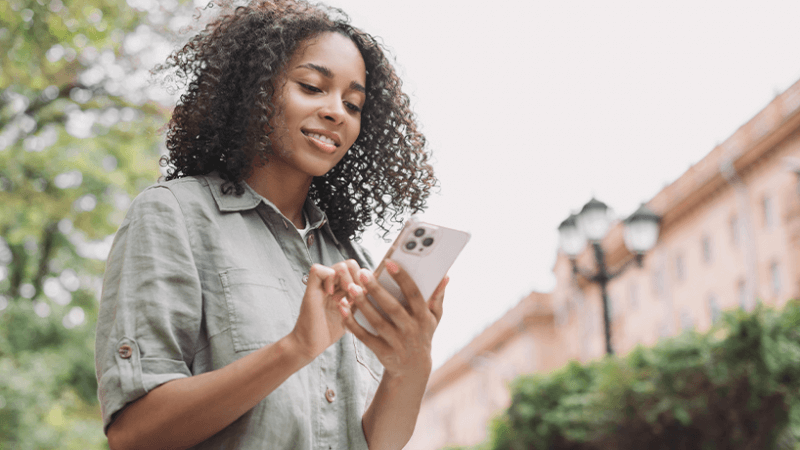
326 72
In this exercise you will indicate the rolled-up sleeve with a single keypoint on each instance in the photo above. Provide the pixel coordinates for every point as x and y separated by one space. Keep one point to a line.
151 306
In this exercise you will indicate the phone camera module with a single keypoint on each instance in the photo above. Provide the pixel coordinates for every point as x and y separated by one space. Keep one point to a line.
419 232
427 241
411 244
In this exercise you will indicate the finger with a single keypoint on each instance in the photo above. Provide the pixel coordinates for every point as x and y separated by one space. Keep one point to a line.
416 303
344 307
322 276
383 326
347 272
344 272
343 279
353 267
387 302
374 343
435 304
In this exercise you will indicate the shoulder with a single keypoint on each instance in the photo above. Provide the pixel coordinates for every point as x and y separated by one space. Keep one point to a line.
174 196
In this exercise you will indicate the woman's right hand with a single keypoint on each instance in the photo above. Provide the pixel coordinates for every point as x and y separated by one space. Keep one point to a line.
320 322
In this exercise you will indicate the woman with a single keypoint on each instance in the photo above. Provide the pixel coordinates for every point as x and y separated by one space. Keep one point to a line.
230 286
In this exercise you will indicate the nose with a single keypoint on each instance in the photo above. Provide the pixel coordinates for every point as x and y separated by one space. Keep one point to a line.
333 109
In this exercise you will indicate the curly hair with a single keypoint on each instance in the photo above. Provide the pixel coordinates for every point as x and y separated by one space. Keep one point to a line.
218 124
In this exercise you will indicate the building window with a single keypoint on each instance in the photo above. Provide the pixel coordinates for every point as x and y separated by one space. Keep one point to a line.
658 282
663 329
687 323
736 236
775 278
613 307
707 253
742 291
680 269
768 211
713 308
562 313
633 291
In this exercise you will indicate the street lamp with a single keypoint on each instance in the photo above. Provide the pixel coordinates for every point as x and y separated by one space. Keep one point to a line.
591 224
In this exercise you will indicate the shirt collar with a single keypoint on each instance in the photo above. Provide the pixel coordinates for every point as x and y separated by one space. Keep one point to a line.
251 199
231 202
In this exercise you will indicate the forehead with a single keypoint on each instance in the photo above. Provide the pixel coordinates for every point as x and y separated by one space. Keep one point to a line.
333 51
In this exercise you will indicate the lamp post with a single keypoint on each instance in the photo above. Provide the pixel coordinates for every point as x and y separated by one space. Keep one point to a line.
591 224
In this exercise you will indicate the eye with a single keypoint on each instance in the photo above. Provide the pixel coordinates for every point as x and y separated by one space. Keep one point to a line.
310 88
352 107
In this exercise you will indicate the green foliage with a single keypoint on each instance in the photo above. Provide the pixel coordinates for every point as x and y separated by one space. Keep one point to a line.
77 140
735 387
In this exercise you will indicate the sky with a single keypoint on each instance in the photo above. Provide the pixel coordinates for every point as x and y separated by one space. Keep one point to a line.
531 108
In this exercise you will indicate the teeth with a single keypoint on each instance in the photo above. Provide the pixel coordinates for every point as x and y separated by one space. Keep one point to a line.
321 138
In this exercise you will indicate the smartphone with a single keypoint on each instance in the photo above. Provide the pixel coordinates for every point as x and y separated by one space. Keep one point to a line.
426 251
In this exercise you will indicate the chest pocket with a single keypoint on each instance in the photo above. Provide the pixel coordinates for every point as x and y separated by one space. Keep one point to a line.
259 308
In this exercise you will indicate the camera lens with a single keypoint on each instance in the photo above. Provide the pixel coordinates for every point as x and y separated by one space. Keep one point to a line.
427 241
419 232
411 244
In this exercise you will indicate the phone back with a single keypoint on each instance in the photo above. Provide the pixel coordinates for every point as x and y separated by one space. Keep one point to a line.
426 252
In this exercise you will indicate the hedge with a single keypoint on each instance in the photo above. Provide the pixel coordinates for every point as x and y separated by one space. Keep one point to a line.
733 387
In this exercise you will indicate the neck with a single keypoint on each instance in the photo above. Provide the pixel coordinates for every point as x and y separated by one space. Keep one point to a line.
287 190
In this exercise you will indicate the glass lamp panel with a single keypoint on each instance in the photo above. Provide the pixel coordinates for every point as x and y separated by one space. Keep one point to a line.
571 240
641 235
594 223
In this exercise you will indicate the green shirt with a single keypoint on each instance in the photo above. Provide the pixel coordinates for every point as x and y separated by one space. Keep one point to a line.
195 280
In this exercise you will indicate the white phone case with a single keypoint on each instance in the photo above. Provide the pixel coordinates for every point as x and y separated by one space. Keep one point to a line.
426 251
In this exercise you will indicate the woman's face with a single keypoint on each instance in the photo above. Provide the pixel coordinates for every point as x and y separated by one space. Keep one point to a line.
320 97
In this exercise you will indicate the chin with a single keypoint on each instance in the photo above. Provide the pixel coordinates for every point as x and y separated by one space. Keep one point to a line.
321 168
319 171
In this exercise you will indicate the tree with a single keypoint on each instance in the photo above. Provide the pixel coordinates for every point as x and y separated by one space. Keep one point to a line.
78 138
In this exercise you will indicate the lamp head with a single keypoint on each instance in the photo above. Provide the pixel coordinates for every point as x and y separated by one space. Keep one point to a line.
571 240
641 230
593 220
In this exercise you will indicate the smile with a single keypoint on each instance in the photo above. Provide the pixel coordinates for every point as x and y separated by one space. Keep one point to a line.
327 143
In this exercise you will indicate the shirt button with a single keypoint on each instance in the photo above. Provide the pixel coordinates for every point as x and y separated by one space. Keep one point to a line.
305 278
310 240
125 351
330 395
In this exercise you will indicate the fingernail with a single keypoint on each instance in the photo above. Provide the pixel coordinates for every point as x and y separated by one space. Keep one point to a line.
392 267
354 289
344 311
364 275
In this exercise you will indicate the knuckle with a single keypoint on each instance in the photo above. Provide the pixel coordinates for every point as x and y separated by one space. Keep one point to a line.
392 307
414 297
361 303
373 286
383 326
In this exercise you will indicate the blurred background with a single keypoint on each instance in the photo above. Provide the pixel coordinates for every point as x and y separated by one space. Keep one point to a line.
531 109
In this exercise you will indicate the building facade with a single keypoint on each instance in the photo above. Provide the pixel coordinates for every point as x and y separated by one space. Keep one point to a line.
730 237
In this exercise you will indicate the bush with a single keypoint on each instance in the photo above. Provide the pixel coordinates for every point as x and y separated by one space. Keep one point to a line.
734 387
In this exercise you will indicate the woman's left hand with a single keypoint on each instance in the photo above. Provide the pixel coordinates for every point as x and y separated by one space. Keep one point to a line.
403 344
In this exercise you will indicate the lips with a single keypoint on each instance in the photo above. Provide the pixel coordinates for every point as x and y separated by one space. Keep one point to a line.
324 140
